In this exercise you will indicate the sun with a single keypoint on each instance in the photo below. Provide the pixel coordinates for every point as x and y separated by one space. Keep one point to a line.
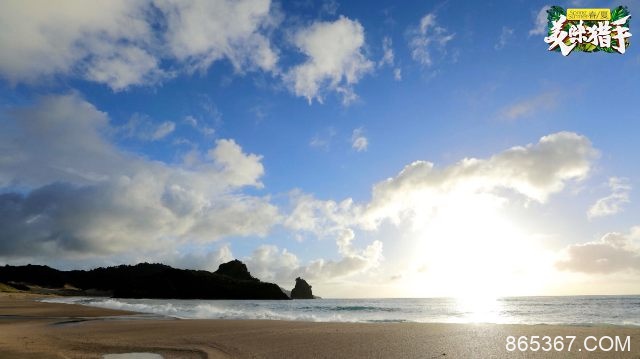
471 248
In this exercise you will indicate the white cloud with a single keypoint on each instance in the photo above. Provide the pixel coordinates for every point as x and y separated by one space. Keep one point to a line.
163 130
387 49
114 42
127 67
323 140
270 263
348 265
322 218
197 259
83 196
106 42
199 125
535 171
335 59
505 36
329 7
191 121
237 168
614 202
540 24
331 220
200 32
388 58
141 126
358 141
529 106
397 74
614 252
427 39
318 142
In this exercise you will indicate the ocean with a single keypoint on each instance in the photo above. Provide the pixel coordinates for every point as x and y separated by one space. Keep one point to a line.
574 310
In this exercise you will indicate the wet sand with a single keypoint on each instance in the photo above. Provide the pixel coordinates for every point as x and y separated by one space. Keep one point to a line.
30 329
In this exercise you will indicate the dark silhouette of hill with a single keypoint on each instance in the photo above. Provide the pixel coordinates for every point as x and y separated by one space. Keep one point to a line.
231 281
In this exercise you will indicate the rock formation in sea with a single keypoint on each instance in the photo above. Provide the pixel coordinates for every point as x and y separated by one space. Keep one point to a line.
302 290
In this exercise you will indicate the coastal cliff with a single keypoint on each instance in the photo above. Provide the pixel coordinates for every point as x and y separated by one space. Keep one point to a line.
232 280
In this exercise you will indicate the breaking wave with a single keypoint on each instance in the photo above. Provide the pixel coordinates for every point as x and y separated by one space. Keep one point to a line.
616 310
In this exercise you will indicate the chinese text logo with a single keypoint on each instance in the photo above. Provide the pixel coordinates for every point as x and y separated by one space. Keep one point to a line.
588 30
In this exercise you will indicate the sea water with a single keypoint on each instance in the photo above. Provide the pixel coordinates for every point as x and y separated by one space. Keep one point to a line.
576 310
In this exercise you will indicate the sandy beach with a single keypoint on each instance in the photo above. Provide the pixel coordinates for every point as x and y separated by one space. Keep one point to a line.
31 329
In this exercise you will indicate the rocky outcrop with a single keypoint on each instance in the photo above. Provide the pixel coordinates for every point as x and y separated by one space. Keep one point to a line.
302 290
235 269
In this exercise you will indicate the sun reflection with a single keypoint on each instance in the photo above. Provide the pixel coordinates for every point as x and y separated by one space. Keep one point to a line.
479 309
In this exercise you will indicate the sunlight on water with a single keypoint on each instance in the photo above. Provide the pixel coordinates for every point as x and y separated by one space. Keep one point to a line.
479 310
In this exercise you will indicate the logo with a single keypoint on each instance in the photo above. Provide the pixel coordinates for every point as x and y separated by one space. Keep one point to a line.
588 30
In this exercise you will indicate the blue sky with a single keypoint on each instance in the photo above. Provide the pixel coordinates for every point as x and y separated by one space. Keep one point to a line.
284 133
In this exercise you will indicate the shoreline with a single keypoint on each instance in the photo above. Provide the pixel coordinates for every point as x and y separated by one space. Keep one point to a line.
34 329
382 321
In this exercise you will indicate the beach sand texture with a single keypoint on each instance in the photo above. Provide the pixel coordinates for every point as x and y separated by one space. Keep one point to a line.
30 329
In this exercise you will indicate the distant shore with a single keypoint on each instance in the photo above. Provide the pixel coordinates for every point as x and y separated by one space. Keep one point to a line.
32 329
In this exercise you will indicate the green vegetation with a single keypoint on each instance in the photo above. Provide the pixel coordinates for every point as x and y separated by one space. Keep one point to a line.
5 288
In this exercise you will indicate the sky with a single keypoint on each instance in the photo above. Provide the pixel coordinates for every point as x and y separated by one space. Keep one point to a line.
376 149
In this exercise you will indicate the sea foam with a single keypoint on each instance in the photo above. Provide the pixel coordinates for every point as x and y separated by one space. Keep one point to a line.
583 310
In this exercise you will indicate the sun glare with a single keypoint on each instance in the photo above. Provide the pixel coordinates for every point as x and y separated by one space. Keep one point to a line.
472 249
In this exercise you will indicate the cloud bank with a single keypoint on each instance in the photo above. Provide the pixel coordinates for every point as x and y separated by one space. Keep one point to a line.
117 43
122 44
69 190
535 171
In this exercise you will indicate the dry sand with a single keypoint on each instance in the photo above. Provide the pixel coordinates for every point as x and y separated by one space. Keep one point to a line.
30 329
